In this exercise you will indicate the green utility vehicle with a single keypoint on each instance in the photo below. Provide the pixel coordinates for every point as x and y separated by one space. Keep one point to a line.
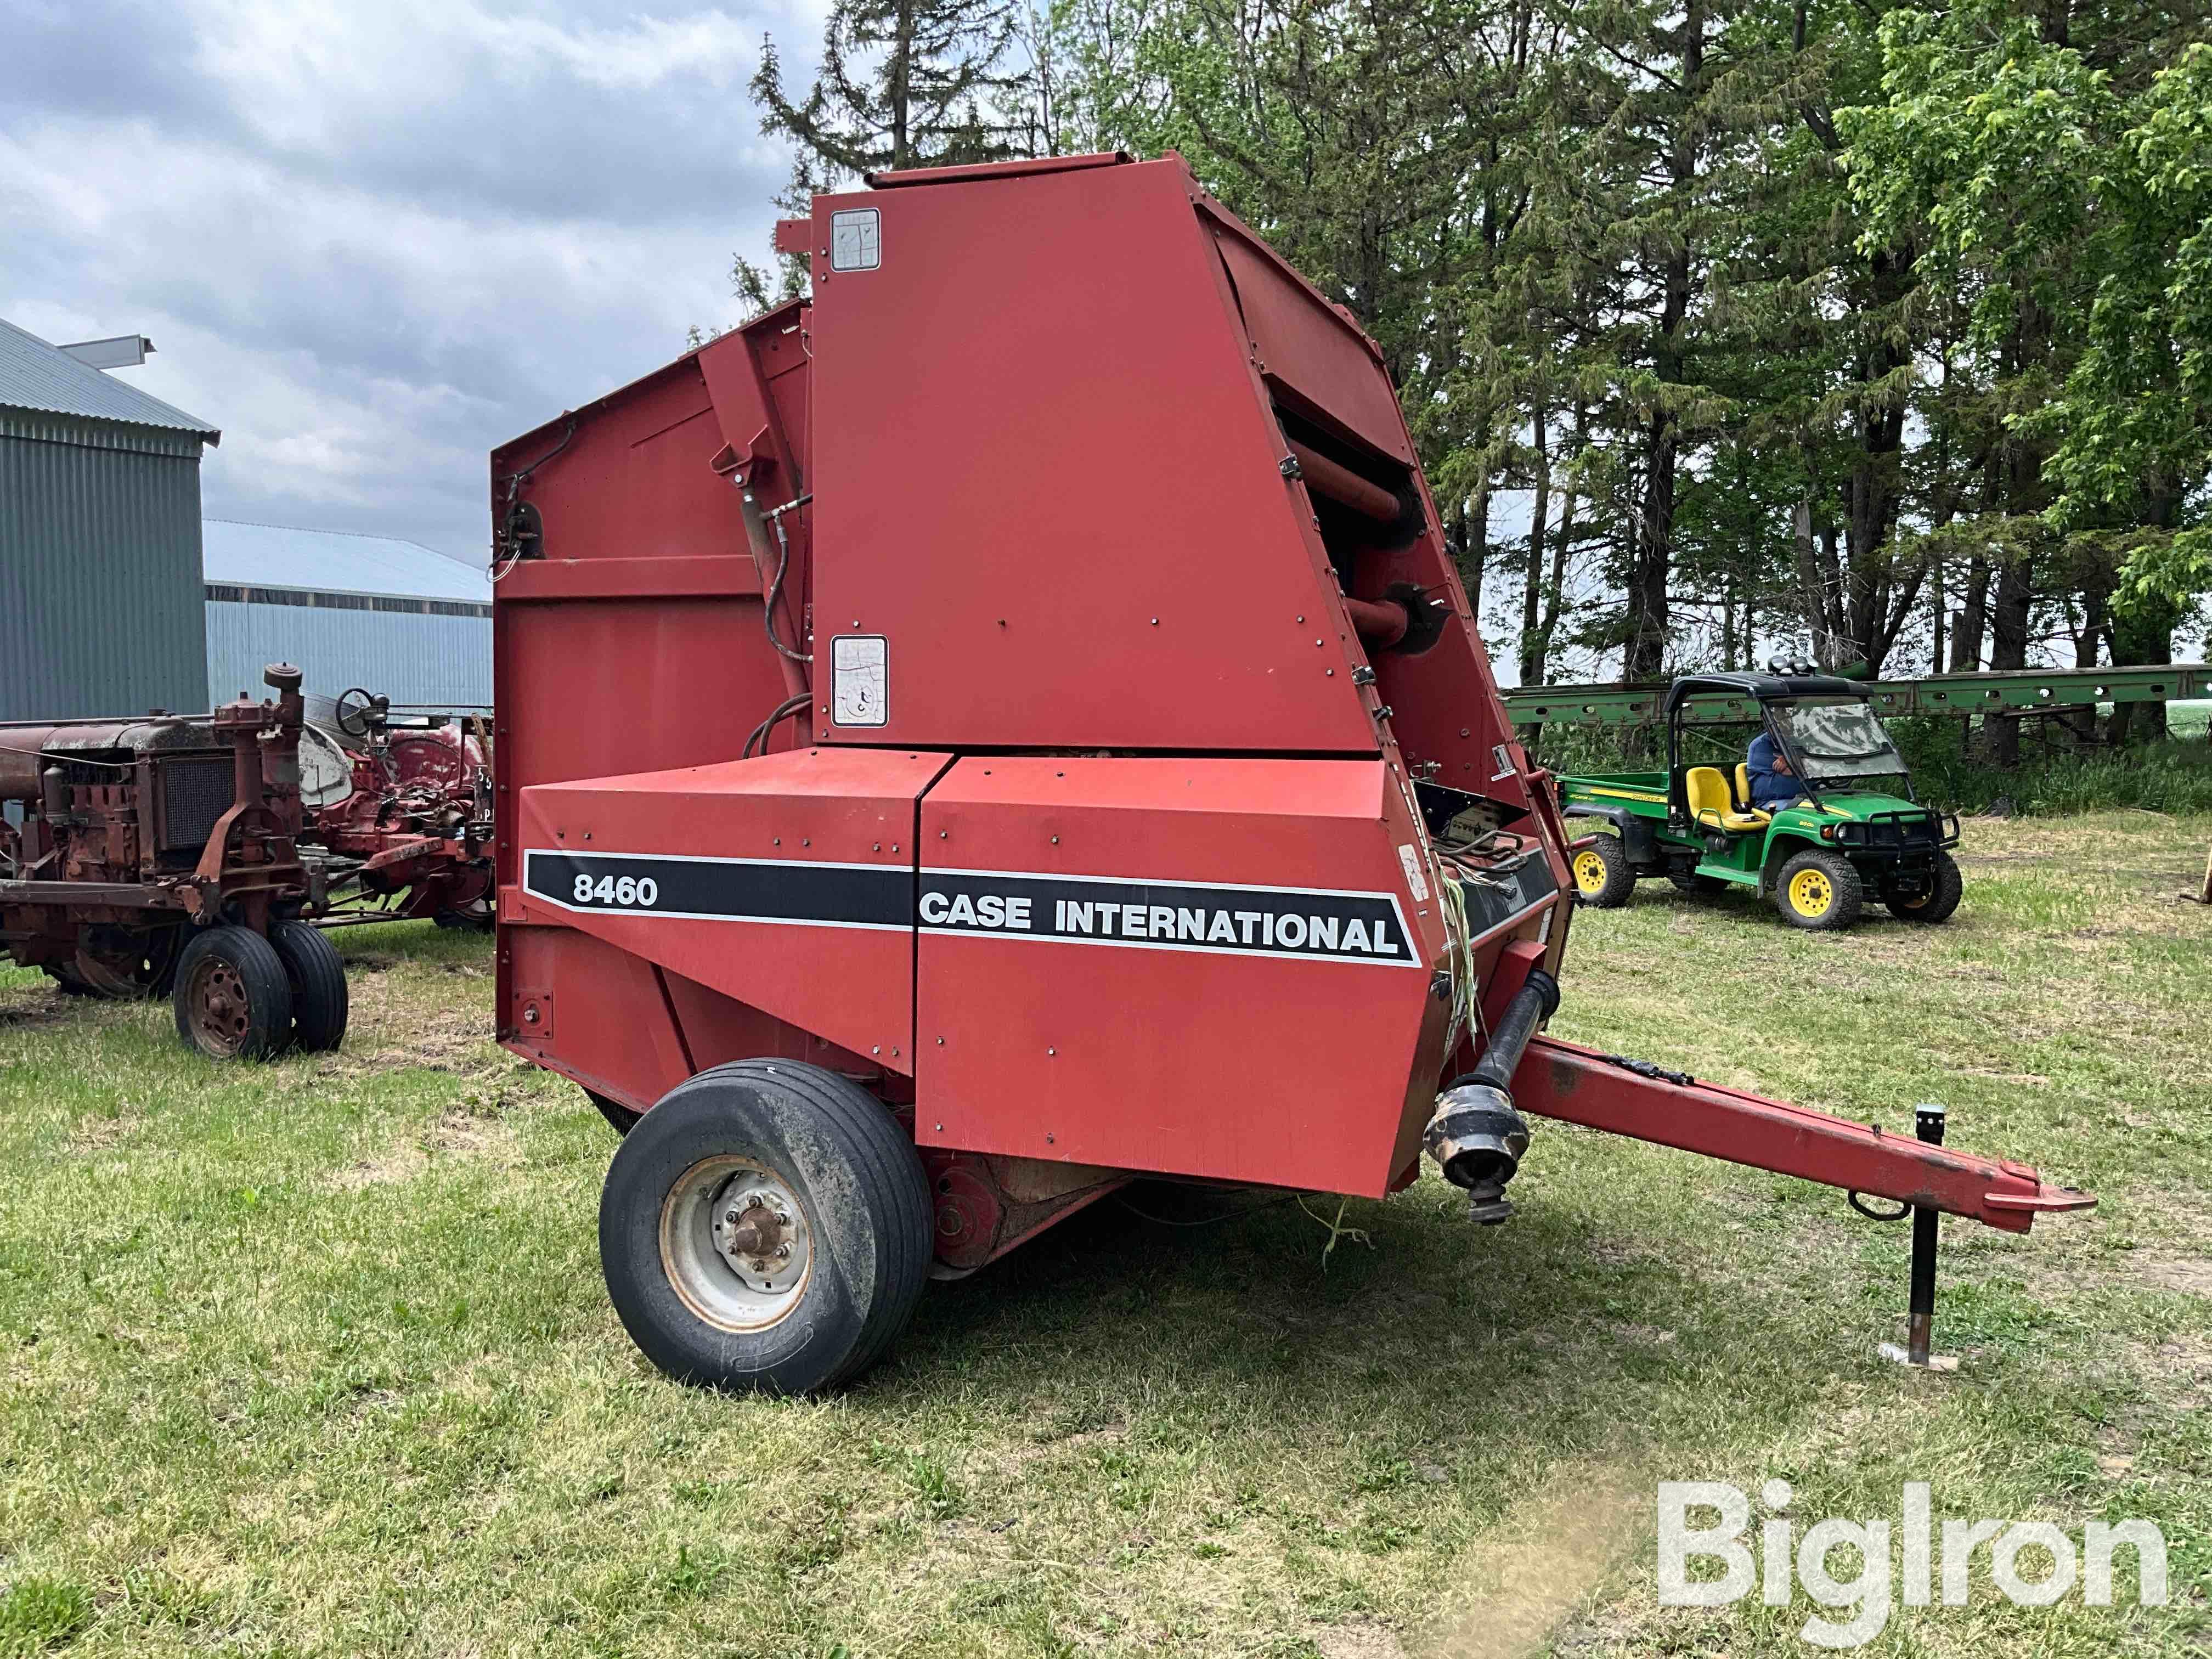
1855 834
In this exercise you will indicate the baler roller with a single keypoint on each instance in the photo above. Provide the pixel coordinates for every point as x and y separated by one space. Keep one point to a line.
1342 485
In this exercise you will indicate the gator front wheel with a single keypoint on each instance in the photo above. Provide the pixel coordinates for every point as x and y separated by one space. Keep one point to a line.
1937 901
1603 879
1819 891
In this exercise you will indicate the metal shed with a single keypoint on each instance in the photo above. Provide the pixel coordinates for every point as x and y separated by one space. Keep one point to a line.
99 541
393 616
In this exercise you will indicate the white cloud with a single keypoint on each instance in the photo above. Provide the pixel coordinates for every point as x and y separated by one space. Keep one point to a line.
371 243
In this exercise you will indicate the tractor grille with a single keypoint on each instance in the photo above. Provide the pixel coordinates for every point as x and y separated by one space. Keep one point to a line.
194 792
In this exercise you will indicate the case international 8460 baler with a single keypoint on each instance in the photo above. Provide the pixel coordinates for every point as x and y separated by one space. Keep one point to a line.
1009 724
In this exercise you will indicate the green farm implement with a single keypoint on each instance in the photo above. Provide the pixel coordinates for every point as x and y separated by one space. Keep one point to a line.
1853 835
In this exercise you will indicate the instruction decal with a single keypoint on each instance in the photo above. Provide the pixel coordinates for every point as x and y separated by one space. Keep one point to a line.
856 240
859 679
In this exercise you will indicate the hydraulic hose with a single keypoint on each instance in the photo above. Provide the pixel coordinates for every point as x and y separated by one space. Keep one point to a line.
1536 1001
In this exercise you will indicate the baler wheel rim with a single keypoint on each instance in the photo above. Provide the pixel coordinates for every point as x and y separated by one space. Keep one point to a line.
698 1218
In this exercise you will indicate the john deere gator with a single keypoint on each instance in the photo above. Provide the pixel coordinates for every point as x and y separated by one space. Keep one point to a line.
1855 833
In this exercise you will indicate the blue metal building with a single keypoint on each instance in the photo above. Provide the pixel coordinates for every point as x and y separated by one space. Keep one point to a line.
374 611
99 541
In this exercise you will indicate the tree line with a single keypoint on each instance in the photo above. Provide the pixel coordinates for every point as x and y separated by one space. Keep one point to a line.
1883 329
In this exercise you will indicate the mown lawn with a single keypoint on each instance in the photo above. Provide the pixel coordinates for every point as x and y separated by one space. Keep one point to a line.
315 1359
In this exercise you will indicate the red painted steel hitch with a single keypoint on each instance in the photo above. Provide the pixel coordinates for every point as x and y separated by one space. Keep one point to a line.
1580 1085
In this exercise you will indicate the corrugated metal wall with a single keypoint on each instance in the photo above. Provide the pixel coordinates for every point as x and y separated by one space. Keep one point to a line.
443 662
102 610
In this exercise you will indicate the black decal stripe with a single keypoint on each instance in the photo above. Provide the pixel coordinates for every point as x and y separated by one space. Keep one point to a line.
1308 924
736 889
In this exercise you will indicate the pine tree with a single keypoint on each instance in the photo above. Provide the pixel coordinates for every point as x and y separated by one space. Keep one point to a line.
907 83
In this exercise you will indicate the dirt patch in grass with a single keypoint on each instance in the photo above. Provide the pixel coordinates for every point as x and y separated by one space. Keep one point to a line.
1019 1458
101 1131
1362 1638
2191 1275
1537 1565
458 1132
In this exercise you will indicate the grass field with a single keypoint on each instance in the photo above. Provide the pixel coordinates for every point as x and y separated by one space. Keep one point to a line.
315 1359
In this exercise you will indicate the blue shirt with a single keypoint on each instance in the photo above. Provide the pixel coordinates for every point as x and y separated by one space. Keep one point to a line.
1769 788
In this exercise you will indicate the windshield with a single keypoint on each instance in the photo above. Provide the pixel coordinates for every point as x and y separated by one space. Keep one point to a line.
1837 738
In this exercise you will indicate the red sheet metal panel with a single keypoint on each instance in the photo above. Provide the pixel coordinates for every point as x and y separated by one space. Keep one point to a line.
1302 341
784 882
1212 967
592 1012
1027 168
1047 498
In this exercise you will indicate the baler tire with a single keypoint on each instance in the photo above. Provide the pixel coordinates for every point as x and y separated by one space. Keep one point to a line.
619 1117
1602 876
253 980
321 1001
867 1223
1936 907
1819 892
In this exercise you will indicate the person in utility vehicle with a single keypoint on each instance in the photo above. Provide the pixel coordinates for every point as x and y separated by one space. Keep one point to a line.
1773 786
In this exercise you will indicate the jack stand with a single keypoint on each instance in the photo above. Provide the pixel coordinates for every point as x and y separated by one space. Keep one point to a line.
1920 1329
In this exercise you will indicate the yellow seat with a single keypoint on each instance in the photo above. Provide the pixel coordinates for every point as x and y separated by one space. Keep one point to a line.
1711 806
1743 787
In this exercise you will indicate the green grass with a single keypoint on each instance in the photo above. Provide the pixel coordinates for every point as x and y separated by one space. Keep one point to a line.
315 1359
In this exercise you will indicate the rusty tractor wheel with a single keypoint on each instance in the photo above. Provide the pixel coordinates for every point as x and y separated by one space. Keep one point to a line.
234 999
319 1002
127 965
67 980
766 1227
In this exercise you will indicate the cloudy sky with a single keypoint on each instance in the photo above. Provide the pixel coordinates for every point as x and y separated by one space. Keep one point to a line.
371 240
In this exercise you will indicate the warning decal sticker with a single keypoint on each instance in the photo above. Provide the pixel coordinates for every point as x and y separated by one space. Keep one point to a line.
860 678
856 240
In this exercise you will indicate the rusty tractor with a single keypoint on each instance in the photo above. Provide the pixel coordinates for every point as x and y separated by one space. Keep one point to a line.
160 856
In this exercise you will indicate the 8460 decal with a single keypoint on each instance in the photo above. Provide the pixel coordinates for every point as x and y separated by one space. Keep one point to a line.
642 891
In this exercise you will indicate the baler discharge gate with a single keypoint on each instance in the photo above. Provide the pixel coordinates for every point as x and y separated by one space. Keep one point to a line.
894 832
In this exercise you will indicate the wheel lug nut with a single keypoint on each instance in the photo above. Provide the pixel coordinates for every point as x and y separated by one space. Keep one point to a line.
783 1217
783 1253
759 1266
